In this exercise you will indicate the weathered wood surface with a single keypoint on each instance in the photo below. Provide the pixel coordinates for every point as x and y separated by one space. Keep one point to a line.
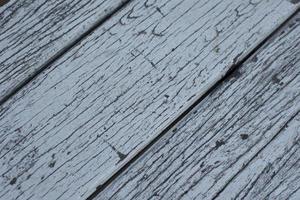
34 31
241 142
274 173
81 120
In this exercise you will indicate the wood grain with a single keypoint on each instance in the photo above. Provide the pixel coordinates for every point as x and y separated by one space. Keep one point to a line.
81 120
274 173
32 32
241 142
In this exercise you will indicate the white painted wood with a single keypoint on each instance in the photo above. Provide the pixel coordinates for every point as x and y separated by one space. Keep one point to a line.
240 142
81 120
274 173
34 31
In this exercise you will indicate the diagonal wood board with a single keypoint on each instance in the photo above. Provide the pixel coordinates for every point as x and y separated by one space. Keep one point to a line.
33 32
241 142
86 116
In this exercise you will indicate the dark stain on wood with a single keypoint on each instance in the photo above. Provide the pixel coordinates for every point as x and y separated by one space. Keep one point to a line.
3 2
219 143
13 181
52 164
244 136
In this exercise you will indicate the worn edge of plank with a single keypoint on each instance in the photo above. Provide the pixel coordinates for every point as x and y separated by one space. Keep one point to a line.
268 40
190 108
62 51
273 139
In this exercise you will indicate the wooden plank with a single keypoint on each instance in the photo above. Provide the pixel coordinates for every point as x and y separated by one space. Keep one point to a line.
240 142
274 173
33 32
75 125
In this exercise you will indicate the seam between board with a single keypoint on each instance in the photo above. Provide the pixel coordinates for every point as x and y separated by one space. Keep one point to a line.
233 68
255 155
63 51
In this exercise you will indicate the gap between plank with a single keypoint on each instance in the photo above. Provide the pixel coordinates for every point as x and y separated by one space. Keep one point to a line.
64 50
256 154
233 69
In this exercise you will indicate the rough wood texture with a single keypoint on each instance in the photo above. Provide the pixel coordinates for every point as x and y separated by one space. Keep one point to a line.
274 173
81 120
33 31
241 142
